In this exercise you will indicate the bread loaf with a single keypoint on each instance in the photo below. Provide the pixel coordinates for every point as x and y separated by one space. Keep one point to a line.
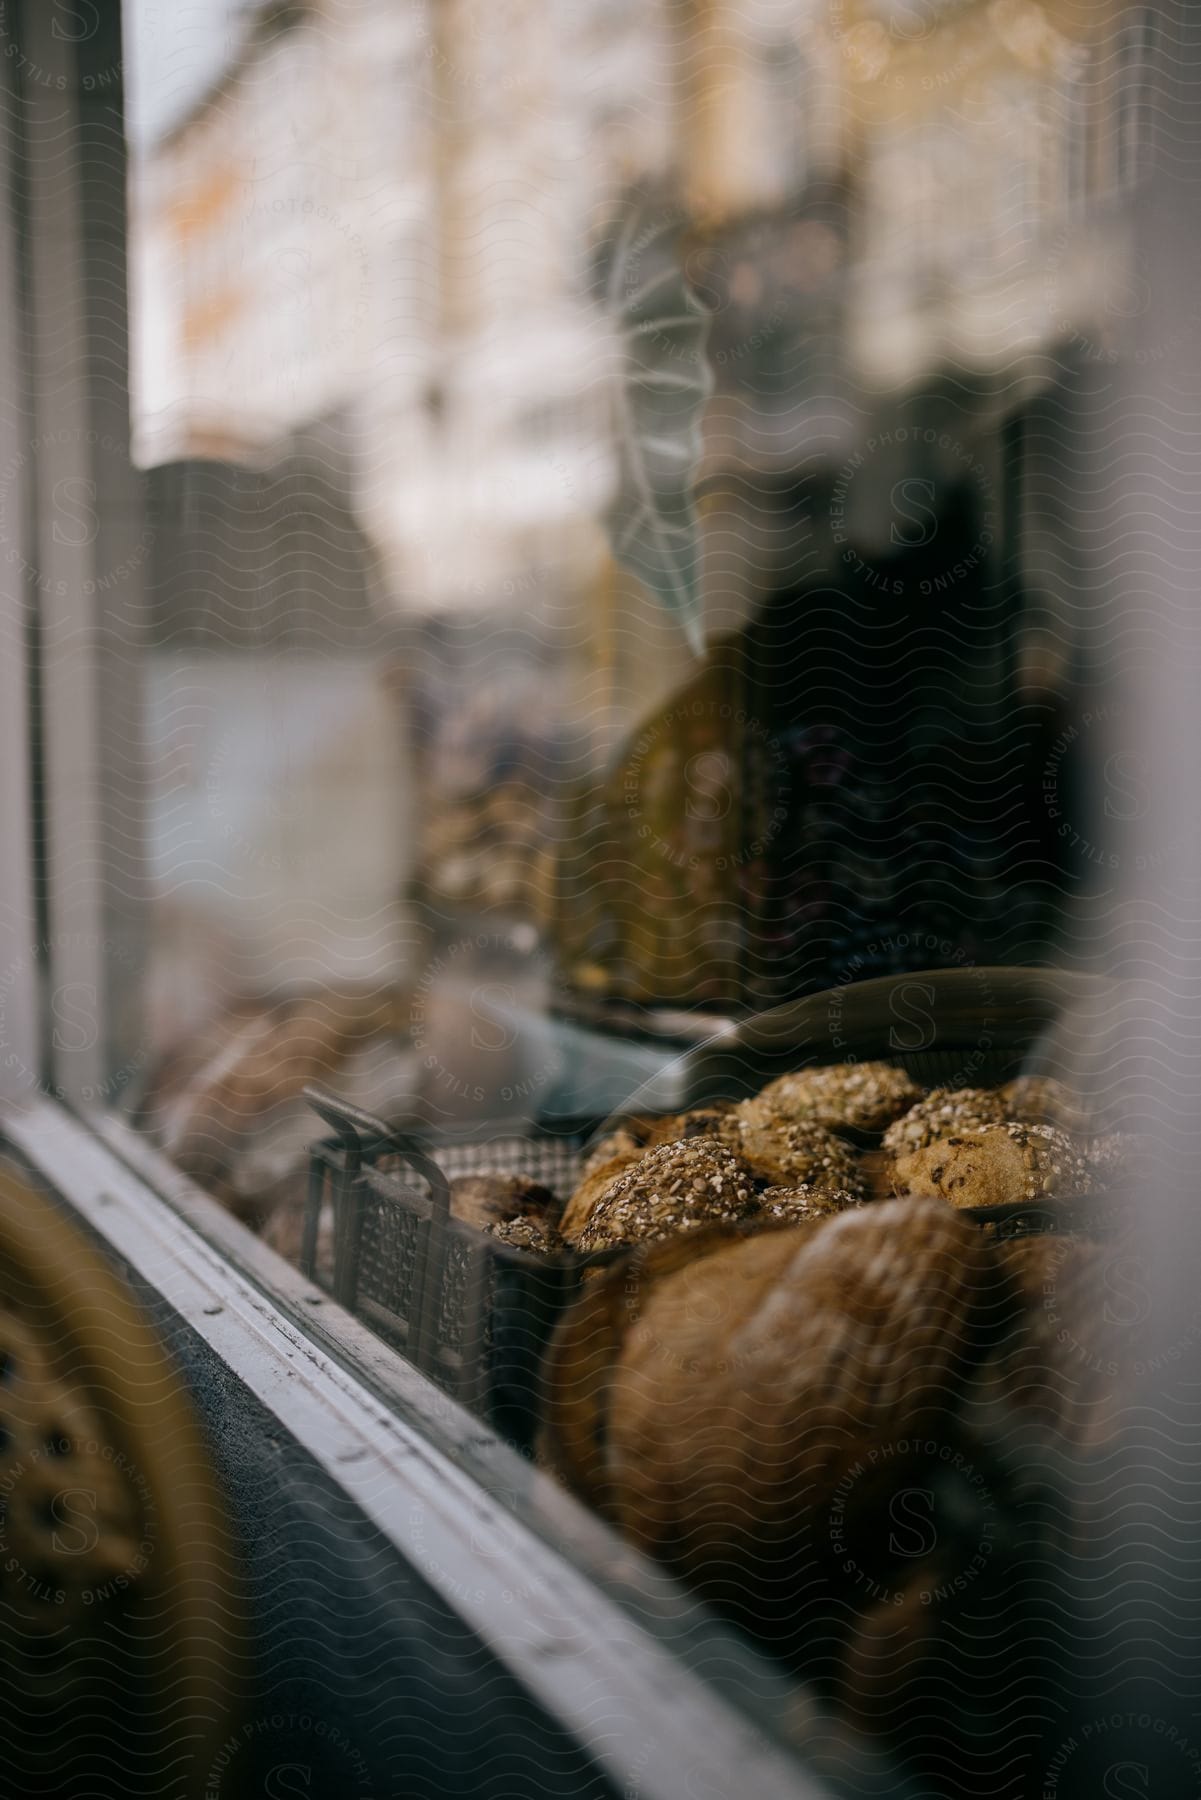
711 1396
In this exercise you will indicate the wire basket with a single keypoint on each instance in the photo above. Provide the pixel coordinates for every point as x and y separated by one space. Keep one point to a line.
476 1314
473 1313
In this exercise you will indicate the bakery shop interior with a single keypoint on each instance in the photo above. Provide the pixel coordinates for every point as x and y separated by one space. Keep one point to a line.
599 974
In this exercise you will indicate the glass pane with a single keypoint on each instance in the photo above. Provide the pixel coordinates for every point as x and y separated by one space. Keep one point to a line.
601 581
613 607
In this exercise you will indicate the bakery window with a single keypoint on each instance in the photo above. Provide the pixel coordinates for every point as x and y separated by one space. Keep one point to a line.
580 774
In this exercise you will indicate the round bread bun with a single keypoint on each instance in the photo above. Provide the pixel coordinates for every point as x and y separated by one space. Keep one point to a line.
788 1152
941 1113
598 1179
995 1165
862 1097
674 1188
804 1202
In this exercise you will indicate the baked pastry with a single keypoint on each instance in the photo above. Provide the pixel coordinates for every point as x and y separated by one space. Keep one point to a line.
635 1135
941 1113
673 1188
926 1661
995 1165
487 1200
597 1181
1042 1100
712 1397
528 1232
785 1152
844 1096
805 1202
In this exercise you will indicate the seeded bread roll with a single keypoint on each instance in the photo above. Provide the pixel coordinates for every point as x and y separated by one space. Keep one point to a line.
487 1200
786 1152
805 1202
671 1189
852 1096
526 1233
1041 1100
597 1181
633 1136
941 1113
995 1165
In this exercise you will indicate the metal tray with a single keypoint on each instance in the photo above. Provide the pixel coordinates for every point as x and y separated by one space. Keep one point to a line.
476 1314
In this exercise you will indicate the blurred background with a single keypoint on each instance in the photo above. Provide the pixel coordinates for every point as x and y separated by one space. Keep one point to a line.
620 533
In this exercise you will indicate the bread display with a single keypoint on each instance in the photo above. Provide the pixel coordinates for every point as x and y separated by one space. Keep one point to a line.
806 1135
673 1188
861 1097
996 1165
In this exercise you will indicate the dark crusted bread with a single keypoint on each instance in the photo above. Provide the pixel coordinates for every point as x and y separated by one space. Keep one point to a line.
674 1188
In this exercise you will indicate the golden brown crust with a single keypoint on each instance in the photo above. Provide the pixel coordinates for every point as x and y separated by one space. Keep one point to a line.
700 1121
863 1097
941 1113
996 1165
786 1152
629 1138
741 1384
802 1202
597 1181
